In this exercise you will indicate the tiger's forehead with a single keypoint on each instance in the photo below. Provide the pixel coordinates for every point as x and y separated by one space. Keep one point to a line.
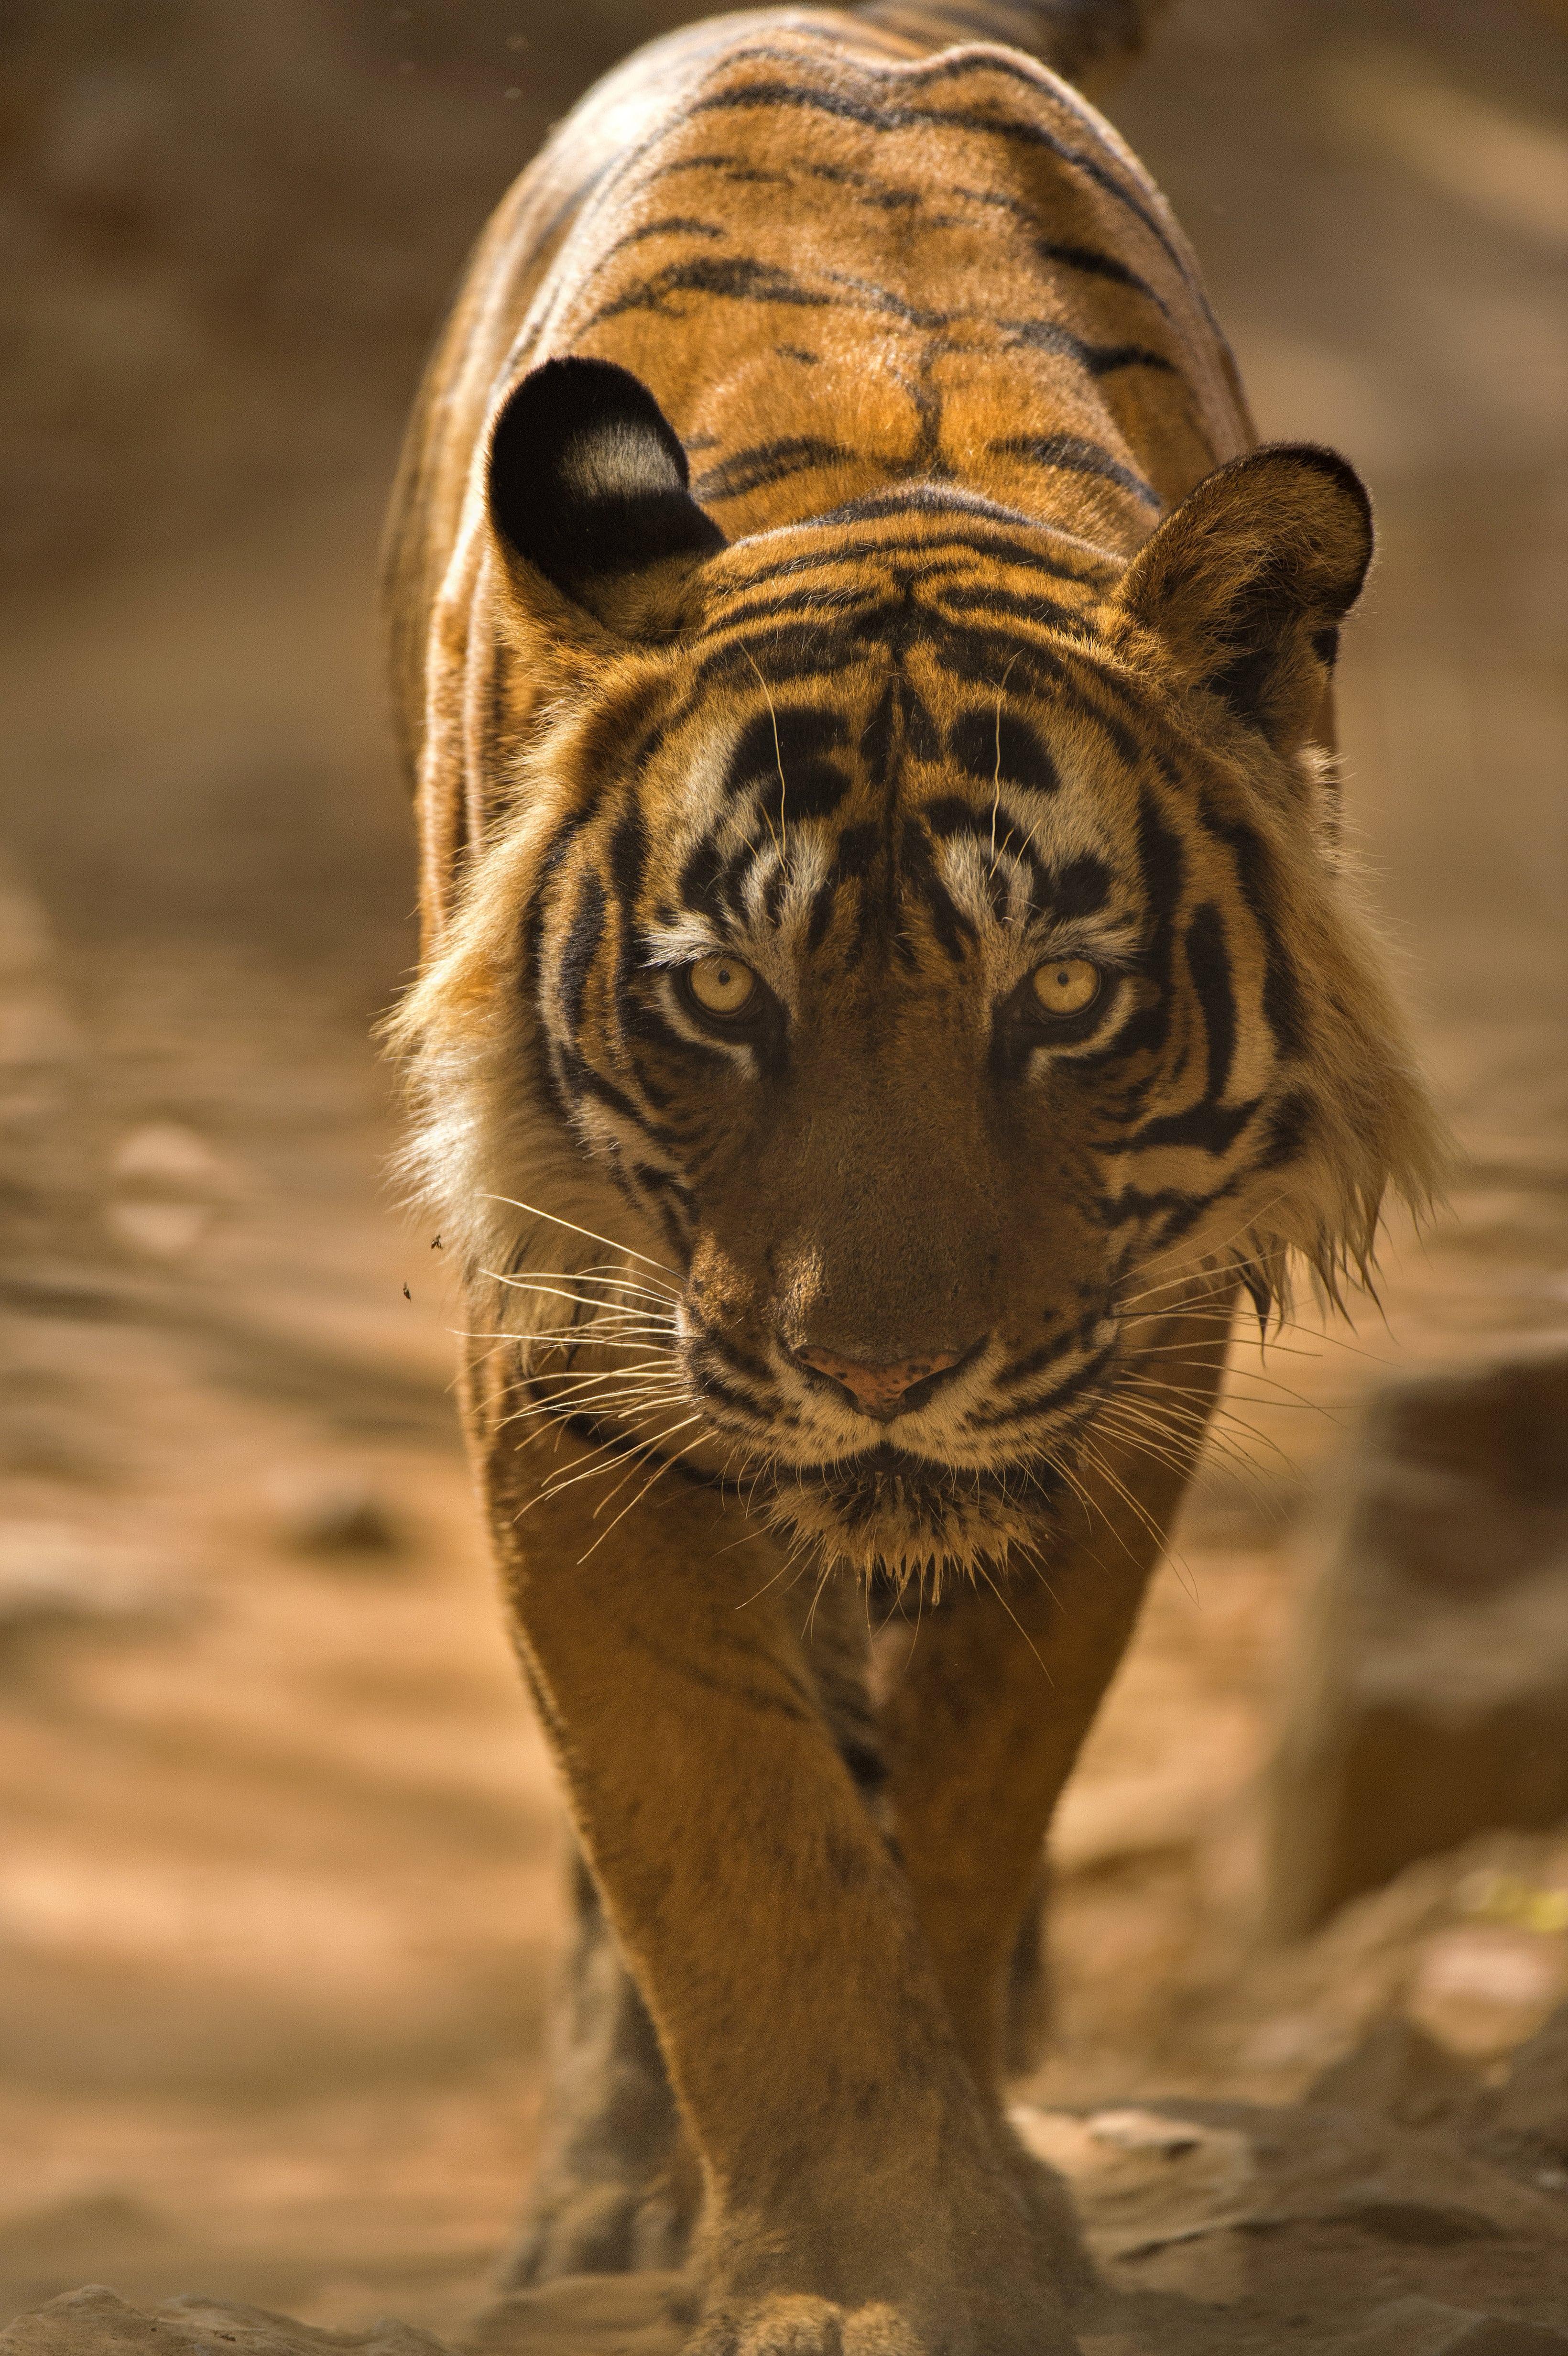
850 811
907 647
894 712
941 559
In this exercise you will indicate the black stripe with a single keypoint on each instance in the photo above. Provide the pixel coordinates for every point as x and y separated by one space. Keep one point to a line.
1286 1130
1080 887
627 859
1210 1128
580 1079
1023 1370
952 927
792 747
1161 868
737 279
702 876
1000 748
1029 1410
1085 258
739 1361
580 948
964 597
1180 1208
980 657
1097 360
1209 963
854 860
768 462
939 499
794 653
916 555
833 609
1094 266
1255 879
1070 454
839 103
677 225
867 1769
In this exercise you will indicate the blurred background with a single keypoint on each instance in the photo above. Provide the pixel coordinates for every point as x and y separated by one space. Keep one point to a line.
279 1859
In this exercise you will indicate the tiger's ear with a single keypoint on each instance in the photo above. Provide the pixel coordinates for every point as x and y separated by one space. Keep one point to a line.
1246 583
587 484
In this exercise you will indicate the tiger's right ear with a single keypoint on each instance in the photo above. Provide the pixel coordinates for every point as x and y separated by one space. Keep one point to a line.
587 484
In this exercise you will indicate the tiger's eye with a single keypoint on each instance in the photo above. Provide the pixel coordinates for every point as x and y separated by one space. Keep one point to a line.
1066 986
721 985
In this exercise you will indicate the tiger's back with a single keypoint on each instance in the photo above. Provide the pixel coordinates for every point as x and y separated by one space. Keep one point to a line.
842 264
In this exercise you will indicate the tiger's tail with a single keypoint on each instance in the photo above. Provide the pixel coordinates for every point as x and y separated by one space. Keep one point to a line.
1090 43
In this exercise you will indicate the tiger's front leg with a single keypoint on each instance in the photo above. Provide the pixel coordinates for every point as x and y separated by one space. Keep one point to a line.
858 2192
615 2190
984 1717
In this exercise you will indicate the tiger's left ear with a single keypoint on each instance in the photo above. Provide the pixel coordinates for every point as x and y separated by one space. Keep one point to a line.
587 488
1246 583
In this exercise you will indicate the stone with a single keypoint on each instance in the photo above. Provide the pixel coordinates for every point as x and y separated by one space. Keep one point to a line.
1400 2073
54 1577
1481 1988
1431 1689
1528 2126
1138 2175
583 2315
334 1515
1424 2326
95 2322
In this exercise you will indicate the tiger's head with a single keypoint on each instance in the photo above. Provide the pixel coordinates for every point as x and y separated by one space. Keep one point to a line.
916 937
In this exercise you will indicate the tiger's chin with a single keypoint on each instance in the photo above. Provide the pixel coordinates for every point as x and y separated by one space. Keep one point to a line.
911 1523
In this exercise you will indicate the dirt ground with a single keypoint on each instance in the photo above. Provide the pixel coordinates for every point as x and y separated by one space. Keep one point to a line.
279 1879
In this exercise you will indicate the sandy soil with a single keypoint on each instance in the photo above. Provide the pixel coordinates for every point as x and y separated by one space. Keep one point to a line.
278 1887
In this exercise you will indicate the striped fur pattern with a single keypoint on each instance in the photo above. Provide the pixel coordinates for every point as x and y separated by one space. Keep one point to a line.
906 665
891 978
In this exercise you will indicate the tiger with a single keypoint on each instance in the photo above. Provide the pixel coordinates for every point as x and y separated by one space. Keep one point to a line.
891 984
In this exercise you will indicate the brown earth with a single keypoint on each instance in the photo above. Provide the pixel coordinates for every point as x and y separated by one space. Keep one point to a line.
279 1883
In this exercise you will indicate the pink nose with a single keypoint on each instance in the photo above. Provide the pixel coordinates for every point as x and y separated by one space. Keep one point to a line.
878 1389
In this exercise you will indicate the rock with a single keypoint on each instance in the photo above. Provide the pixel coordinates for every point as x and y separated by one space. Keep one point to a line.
54 1577
1179 2196
1432 1688
1411 1948
170 1185
1527 2130
1142 2178
335 1514
1400 2073
1480 1986
583 2315
94 2323
1126 1816
1423 2326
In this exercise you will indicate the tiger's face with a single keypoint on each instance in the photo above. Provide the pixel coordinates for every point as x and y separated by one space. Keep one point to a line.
922 919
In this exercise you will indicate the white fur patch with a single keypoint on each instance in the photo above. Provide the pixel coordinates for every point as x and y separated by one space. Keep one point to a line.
616 461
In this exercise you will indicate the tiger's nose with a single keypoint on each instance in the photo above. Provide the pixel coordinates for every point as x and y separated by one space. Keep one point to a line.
879 1390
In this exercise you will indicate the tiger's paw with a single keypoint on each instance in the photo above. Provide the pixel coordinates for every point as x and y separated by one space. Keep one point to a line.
792 2325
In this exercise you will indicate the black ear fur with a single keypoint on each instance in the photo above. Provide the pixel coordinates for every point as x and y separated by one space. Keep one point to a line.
586 482
1247 580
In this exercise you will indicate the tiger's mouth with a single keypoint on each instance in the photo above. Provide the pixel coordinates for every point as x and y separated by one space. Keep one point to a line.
908 1517
890 1478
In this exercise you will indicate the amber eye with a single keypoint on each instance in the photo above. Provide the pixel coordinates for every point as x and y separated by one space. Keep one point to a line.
1066 986
721 985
